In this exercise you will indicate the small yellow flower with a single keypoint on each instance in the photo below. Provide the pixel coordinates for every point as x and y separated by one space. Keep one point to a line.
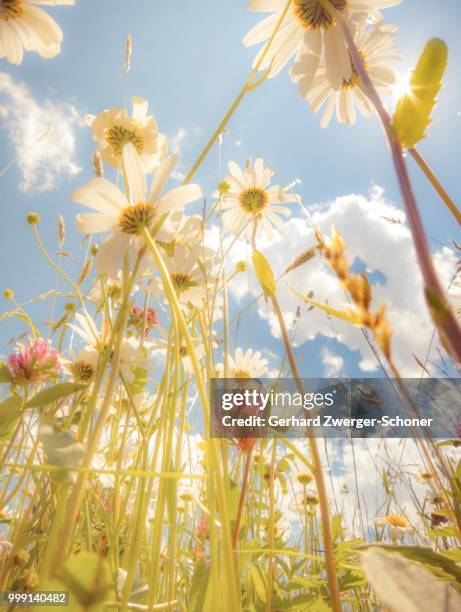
304 478
396 524
21 558
33 218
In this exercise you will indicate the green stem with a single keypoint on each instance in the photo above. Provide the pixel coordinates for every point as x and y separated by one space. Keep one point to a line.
249 86
434 181
233 594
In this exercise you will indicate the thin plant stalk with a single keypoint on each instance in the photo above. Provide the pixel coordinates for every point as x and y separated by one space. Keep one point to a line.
249 86
441 312
436 184
318 472
238 520
233 591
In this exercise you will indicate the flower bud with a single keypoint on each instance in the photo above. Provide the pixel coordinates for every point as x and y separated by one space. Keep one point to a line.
33 218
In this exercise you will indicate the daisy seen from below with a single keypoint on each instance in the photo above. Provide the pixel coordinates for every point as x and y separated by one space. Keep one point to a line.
244 365
114 128
248 200
396 525
125 216
308 498
132 355
26 27
190 271
180 229
309 24
377 48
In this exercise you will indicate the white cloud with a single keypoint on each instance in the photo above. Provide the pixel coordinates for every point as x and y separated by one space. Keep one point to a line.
333 363
386 248
178 141
41 159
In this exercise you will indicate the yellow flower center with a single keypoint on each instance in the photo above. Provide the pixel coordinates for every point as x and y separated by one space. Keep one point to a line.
168 247
254 200
396 521
425 476
117 137
309 499
11 9
354 81
182 281
82 370
304 478
242 374
183 351
315 14
133 218
115 292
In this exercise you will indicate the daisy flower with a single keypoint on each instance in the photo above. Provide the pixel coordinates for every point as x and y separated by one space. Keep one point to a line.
25 26
396 524
377 48
244 365
114 128
309 24
82 365
189 269
247 199
282 529
307 498
112 292
125 216
180 230
131 354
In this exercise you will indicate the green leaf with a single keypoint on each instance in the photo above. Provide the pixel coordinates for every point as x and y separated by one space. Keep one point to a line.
57 392
10 410
337 530
413 113
439 565
403 585
88 579
4 374
199 587
259 582
264 273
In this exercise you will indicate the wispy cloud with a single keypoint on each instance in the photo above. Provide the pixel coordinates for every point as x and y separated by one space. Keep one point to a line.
333 363
181 139
42 135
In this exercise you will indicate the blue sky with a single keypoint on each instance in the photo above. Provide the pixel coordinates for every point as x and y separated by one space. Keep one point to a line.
189 62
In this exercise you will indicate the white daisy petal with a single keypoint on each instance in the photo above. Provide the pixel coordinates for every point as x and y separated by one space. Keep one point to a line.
134 173
161 177
90 223
100 195
179 197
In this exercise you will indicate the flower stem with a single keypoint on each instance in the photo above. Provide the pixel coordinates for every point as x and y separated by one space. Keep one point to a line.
434 181
440 310
318 472
233 591
249 86
246 473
